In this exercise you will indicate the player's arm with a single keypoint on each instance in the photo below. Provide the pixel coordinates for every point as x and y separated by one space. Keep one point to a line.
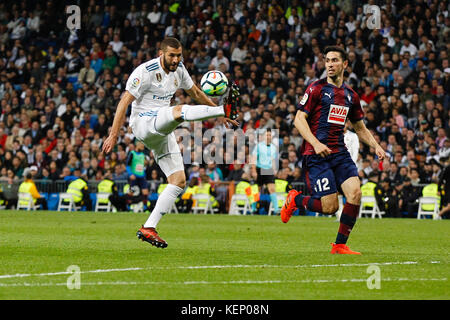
199 96
303 127
366 137
119 118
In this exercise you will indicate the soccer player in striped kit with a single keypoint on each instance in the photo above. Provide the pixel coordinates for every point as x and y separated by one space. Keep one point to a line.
327 165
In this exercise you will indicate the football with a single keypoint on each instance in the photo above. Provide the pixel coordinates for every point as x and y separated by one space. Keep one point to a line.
214 83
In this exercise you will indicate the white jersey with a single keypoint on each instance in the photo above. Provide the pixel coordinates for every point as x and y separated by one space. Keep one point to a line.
351 141
153 88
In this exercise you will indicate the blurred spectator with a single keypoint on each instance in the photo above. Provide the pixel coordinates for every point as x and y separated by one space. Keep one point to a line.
214 173
444 151
29 187
96 62
194 171
202 62
220 59
116 44
387 198
87 73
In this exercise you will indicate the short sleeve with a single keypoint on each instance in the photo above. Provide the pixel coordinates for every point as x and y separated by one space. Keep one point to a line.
307 102
135 83
186 80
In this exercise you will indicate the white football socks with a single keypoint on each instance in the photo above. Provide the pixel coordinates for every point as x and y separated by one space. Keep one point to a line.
201 112
164 203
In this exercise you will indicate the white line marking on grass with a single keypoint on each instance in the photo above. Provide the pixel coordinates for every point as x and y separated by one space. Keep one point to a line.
134 283
24 275
244 266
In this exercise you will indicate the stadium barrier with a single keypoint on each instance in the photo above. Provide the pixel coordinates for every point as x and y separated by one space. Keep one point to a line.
51 190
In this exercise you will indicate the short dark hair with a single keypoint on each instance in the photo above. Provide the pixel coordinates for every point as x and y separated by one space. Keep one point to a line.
336 49
170 42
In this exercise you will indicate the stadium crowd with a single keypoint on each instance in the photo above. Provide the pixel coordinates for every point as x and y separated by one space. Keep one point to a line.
59 88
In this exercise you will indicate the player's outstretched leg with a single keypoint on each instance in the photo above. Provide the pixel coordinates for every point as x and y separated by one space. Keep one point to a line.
200 112
151 236
187 112
169 118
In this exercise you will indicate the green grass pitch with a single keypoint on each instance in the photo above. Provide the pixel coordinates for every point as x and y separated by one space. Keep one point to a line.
219 257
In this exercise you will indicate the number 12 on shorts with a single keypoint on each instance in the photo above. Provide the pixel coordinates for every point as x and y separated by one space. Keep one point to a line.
322 185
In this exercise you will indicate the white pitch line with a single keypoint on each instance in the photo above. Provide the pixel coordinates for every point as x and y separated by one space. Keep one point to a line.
25 275
133 283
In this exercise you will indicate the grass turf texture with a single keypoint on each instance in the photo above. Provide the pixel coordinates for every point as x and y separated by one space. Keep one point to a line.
219 257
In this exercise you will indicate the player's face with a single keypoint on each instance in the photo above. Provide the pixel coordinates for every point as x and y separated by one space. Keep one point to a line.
171 58
334 64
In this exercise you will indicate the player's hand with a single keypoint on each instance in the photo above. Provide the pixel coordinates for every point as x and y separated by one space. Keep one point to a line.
380 153
109 144
322 150
229 121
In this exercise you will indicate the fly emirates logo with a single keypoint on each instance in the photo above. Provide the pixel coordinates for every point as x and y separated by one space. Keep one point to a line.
337 114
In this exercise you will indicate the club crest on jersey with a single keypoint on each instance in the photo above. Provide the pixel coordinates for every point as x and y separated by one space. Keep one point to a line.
304 99
176 82
158 77
337 114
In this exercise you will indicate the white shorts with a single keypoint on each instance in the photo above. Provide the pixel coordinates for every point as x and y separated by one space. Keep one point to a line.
155 129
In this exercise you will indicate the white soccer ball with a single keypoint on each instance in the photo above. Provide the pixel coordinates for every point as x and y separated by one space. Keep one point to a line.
214 83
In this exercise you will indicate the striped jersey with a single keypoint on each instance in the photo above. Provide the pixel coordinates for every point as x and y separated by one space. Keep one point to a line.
328 107
153 88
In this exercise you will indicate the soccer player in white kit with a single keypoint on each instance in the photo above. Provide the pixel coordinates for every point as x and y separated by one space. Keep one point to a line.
351 141
149 89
